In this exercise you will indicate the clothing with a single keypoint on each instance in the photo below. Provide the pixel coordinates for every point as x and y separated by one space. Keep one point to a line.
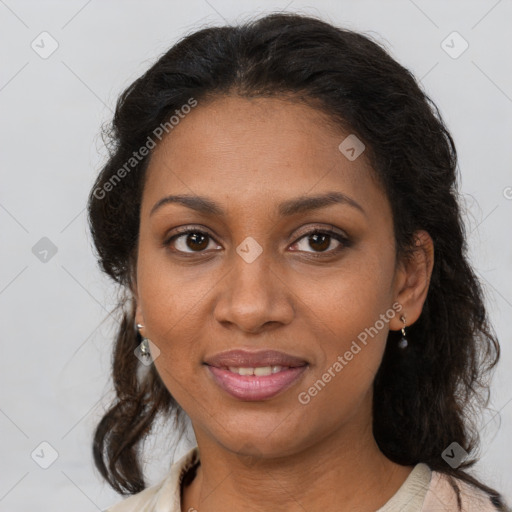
423 491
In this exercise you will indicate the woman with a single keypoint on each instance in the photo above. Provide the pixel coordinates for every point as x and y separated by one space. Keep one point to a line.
280 205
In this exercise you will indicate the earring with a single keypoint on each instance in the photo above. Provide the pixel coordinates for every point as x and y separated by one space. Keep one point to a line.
144 346
403 341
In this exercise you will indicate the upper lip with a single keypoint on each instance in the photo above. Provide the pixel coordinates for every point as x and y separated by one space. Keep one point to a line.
247 359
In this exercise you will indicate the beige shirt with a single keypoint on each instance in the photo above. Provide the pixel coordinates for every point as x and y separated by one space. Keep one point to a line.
423 491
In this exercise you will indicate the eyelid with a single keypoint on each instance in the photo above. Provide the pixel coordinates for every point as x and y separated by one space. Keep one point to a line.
192 227
322 228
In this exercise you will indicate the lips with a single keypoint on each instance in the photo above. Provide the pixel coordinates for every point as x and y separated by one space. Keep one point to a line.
253 376
246 359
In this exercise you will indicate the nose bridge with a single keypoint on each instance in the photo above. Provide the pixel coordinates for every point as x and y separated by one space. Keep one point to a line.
251 272
252 295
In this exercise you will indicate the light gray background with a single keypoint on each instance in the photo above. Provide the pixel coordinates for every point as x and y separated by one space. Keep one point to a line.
56 328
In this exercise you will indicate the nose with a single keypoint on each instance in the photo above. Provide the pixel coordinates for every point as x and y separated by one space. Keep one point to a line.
254 296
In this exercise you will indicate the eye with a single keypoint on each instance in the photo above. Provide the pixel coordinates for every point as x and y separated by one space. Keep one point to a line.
190 240
320 241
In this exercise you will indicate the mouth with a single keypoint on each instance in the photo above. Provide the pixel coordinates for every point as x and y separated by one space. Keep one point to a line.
249 359
255 376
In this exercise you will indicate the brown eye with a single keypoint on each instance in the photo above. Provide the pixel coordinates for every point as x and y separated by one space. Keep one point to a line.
196 241
320 241
189 241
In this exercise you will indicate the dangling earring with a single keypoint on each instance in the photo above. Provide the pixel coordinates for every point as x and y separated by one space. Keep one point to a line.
403 340
144 346
147 351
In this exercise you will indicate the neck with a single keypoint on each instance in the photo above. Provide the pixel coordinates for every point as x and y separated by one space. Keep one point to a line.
341 473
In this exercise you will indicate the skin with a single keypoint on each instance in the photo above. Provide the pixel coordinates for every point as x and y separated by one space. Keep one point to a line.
249 155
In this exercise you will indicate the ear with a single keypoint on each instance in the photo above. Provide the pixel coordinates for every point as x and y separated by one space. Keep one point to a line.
412 281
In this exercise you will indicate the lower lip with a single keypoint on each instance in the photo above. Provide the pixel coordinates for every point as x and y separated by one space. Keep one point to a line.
252 387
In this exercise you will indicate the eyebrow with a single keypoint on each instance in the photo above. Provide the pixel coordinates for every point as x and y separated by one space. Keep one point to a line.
287 208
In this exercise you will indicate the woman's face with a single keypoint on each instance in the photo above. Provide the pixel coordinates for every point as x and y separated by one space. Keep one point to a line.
251 277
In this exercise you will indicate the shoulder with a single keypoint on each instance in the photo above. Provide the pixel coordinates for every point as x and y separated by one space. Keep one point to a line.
441 496
143 501
165 495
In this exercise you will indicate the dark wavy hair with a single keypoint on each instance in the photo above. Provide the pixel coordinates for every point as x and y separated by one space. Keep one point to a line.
425 397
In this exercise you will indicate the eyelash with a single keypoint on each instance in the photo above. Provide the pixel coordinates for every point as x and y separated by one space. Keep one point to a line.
344 241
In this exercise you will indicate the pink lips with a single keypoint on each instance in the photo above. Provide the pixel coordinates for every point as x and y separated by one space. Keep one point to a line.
253 387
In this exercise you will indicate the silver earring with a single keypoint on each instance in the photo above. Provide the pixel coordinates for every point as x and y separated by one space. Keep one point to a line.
403 340
144 346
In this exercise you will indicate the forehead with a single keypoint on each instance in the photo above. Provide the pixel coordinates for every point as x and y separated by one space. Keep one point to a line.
260 149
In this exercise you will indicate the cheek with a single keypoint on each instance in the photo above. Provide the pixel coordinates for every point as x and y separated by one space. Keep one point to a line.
169 294
169 306
353 311
179 362
353 297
